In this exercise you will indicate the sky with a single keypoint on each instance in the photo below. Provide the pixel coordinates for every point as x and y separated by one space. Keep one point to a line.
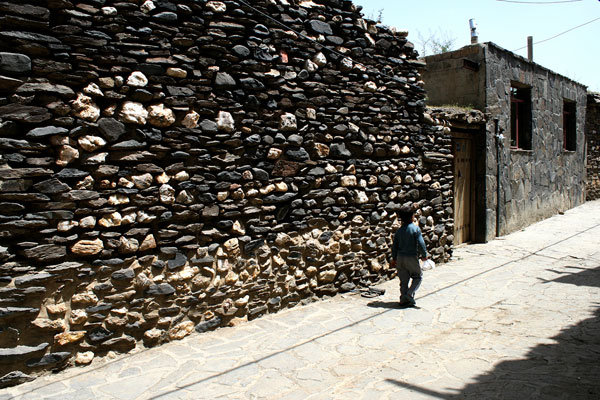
575 54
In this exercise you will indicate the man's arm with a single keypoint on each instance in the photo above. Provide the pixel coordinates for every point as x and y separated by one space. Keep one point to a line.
421 249
394 249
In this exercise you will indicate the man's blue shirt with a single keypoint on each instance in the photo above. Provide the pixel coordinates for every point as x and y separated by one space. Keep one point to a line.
408 241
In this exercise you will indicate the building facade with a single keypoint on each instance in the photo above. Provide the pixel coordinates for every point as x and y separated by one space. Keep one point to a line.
529 161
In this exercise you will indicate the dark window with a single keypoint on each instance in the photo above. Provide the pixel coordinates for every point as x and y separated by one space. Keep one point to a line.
569 125
520 117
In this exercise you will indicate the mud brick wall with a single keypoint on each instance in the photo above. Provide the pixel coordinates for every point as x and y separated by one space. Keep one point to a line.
176 166
592 132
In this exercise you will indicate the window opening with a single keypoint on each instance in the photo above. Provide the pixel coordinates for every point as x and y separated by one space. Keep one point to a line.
569 125
520 117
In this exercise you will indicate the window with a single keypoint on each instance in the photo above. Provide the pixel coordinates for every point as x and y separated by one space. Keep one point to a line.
569 125
520 117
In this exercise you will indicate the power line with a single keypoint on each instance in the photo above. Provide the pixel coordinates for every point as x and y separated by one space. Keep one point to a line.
539 2
560 34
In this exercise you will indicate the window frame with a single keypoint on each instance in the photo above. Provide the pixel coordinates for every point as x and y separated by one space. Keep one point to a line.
520 117
569 125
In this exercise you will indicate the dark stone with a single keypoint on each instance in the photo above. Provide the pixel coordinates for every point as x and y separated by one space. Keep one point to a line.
51 186
99 334
166 16
11 208
297 154
338 150
252 84
209 325
129 145
261 30
142 95
46 131
280 199
19 353
241 51
71 173
122 344
317 171
29 89
230 176
111 129
30 280
25 114
208 126
13 63
180 91
325 236
160 289
46 252
14 378
286 168
18 312
123 274
19 173
80 195
178 262
49 359
320 27
260 174
223 79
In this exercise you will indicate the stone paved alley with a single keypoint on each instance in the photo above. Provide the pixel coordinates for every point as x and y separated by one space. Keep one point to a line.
515 318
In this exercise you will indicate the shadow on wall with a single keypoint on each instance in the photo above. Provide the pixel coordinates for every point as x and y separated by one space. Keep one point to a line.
568 369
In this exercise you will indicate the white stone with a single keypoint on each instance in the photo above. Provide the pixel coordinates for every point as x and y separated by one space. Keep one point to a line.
237 228
311 113
288 123
137 79
163 178
361 197
176 72
144 217
371 86
67 154
109 11
274 153
142 181
110 220
185 198
167 194
148 243
85 108
117 199
129 218
349 180
124 182
128 245
93 90
191 119
133 112
182 176
216 6
225 122
84 358
160 116
91 143
99 158
320 59
88 222
64 226
347 64
310 66
148 6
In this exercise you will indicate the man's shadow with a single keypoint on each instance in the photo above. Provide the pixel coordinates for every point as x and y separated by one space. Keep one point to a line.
390 305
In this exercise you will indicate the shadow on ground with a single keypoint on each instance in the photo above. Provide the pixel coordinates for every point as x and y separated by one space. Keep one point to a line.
569 369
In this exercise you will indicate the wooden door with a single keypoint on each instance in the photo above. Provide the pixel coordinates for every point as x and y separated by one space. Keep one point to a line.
463 197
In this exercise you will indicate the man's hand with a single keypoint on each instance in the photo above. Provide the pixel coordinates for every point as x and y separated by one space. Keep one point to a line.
424 259
393 264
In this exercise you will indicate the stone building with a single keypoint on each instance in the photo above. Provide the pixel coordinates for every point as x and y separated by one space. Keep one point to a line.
592 132
171 166
528 162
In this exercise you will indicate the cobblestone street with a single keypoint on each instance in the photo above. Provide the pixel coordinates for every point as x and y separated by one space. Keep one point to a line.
516 318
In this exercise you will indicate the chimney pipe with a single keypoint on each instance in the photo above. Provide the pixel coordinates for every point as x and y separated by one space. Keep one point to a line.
474 37
530 48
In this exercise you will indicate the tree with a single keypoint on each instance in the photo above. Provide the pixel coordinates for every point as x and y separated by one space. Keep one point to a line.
435 42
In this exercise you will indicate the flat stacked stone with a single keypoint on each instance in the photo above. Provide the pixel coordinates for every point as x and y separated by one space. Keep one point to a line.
167 166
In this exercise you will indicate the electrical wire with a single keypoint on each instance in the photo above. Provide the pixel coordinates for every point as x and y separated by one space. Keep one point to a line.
539 2
560 34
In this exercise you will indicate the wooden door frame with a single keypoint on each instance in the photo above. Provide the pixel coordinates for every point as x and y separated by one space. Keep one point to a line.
469 136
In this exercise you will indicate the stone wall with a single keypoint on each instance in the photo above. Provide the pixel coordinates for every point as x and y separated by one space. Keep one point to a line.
592 131
538 183
176 166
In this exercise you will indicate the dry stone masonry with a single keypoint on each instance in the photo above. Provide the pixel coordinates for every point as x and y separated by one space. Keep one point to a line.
168 167
592 132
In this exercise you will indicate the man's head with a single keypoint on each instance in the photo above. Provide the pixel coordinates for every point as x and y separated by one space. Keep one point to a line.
406 214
